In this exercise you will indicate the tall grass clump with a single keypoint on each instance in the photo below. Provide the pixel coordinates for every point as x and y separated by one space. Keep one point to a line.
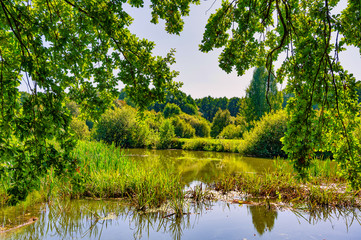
107 173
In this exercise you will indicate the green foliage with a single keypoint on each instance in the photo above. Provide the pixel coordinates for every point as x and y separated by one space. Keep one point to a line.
73 108
220 121
233 106
283 184
186 103
209 106
171 110
207 144
120 126
25 130
264 139
182 128
69 46
200 124
166 134
80 129
255 104
303 30
232 132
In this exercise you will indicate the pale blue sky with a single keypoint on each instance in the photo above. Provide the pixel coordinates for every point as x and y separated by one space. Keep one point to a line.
199 71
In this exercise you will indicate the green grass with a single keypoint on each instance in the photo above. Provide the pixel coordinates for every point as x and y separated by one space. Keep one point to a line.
322 188
107 173
104 172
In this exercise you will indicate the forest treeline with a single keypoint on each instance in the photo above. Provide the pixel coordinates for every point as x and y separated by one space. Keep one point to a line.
255 124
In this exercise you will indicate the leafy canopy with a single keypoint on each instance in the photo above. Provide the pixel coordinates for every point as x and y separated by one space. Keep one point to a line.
82 48
309 37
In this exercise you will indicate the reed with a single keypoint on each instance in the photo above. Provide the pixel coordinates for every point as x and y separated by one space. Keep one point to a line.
323 187
107 173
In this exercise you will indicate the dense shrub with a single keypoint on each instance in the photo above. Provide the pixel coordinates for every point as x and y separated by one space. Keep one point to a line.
264 139
220 121
201 125
232 132
166 134
120 126
80 129
171 110
153 119
182 128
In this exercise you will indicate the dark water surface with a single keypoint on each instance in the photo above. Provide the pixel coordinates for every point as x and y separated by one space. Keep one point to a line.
91 219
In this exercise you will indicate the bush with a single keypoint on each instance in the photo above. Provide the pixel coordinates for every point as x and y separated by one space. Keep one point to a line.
171 110
201 125
120 126
220 121
232 132
166 134
189 109
264 139
182 128
79 128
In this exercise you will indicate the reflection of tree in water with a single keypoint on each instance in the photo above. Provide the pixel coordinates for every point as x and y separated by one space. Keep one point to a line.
263 218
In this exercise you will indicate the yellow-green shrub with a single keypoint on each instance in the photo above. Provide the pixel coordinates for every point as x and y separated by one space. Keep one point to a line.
80 129
264 139
120 126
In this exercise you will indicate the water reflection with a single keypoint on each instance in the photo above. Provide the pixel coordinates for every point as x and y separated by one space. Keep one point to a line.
84 219
263 219
200 165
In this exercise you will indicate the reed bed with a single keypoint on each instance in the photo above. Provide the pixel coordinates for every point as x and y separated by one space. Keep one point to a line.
322 188
107 173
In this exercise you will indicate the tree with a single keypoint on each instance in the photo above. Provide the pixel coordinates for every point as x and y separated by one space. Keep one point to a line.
257 101
179 98
171 110
220 121
166 133
73 46
208 106
233 106
303 30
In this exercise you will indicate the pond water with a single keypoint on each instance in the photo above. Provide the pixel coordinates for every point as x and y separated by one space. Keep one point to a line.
90 219
115 219
200 165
